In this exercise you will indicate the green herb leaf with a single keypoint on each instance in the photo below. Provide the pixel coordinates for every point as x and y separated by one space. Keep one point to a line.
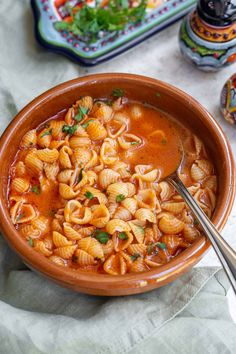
81 113
30 242
196 222
48 132
151 246
123 236
134 256
80 175
89 195
158 94
164 141
36 190
101 236
117 92
68 129
85 125
120 197
135 143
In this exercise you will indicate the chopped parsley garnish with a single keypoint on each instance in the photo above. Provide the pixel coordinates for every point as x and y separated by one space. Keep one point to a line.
68 129
85 125
81 113
164 141
48 132
135 143
134 256
123 236
160 245
80 175
30 242
36 190
89 195
101 236
117 92
89 22
158 94
120 197
196 222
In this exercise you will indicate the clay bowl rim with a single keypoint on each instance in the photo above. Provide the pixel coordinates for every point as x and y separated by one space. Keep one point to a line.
160 275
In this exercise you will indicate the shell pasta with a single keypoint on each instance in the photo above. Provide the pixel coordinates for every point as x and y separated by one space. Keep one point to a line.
87 188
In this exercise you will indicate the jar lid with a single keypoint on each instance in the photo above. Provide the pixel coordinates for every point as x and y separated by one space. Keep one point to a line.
217 12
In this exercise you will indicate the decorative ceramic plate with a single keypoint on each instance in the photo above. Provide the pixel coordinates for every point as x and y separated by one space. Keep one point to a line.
159 14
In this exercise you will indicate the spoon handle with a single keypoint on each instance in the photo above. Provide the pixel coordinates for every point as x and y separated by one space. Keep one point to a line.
226 254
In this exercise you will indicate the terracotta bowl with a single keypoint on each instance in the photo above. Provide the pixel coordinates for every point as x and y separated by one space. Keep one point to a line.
166 97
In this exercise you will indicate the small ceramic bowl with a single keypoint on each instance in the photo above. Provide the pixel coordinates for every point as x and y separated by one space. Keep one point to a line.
166 97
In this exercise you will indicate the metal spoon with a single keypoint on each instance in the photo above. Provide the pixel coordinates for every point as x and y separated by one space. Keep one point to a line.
225 253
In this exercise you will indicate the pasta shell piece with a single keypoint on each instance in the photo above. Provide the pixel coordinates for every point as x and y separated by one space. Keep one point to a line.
197 174
172 243
130 204
112 208
170 225
138 266
71 207
166 191
149 235
108 248
85 102
118 103
65 157
55 126
45 184
28 231
20 185
150 176
137 229
117 189
59 240
120 245
57 144
108 153
211 183
64 176
145 215
107 177
198 144
102 111
76 142
78 179
146 199
71 233
115 265
100 216
91 246
57 260
81 132
92 161
83 218
136 112
83 258
85 231
65 252
51 170
82 156
20 169
41 223
44 138
137 248
126 141
33 163
190 233
40 247
131 189
212 198
121 117
100 166
117 225
69 116
115 128
21 213
172 207
96 131
91 178
153 264
67 192
186 217
29 140
101 197
56 226
205 165
48 155
122 214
